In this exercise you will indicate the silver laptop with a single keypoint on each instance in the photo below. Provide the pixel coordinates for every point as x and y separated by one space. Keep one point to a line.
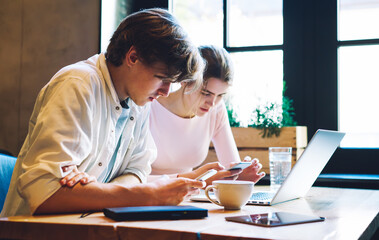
304 173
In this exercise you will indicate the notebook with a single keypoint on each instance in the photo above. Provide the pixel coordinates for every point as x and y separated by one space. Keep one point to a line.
155 213
303 174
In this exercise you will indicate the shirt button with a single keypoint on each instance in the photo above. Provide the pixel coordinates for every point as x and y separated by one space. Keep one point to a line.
117 108
100 164
131 118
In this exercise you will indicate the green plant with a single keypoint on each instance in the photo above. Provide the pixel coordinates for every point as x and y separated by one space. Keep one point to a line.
270 118
232 116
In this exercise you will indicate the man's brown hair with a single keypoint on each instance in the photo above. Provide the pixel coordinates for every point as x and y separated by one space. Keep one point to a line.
157 37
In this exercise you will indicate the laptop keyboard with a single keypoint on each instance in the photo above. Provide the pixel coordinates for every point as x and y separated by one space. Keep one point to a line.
262 195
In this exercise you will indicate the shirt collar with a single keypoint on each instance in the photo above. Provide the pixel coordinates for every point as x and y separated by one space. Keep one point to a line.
102 65
124 103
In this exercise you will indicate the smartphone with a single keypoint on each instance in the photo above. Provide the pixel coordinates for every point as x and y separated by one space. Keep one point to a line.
275 219
206 175
241 165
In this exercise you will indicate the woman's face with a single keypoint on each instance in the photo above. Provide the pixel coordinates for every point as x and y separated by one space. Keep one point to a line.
207 97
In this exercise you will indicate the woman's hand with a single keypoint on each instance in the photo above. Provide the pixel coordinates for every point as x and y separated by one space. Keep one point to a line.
224 175
75 177
251 173
195 173
221 174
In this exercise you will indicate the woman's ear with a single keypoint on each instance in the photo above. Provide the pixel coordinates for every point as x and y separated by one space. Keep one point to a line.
187 86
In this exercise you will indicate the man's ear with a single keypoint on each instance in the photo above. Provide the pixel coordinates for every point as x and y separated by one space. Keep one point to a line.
131 56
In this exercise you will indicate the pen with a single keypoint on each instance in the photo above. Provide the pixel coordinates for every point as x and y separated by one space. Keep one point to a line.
85 214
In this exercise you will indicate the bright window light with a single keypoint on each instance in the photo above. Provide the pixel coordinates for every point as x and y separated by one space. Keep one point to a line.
201 19
358 73
258 76
255 23
358 19
258 81
358 95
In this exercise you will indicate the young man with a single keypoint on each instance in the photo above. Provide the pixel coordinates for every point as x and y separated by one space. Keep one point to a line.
92 114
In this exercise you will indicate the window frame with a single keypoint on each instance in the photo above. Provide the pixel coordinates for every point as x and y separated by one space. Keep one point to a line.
310 70
245 48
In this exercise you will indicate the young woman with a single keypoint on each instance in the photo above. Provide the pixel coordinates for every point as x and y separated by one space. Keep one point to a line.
184 123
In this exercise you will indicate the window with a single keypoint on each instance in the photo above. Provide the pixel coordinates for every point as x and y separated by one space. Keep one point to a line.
203 20
324 71
256 46
112 12
358 72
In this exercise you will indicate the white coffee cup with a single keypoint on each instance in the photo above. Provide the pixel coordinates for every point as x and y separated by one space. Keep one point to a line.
230 194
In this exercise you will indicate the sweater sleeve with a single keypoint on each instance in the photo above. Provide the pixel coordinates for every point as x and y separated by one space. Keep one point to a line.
223 140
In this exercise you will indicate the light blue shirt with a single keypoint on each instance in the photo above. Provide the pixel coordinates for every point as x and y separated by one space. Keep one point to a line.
120 125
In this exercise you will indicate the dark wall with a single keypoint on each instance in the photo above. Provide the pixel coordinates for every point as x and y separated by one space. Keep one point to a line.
310 61
37 38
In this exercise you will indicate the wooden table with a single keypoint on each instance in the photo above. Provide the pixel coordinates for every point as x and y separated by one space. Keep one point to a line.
350 214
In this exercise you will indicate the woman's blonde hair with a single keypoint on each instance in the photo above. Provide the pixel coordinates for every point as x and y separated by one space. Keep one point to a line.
218 64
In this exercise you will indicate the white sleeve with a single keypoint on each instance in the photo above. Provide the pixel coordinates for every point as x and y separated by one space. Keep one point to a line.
59 134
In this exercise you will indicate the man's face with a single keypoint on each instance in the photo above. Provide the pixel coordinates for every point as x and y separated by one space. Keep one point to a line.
149 83
140 82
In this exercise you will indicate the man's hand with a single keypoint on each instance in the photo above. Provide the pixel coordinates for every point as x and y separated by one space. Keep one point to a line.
75 177
171 191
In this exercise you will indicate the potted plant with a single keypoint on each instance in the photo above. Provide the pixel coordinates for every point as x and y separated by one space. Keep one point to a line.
269 118
271 125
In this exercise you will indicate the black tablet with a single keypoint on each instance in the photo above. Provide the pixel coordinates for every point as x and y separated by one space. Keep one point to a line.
155 213
275 219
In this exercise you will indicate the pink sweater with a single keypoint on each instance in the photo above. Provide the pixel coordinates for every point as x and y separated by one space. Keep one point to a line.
183 143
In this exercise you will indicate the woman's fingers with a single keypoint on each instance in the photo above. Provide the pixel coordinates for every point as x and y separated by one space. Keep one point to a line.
212 165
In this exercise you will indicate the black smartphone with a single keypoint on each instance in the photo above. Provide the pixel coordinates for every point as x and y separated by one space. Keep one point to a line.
241 165
275 219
